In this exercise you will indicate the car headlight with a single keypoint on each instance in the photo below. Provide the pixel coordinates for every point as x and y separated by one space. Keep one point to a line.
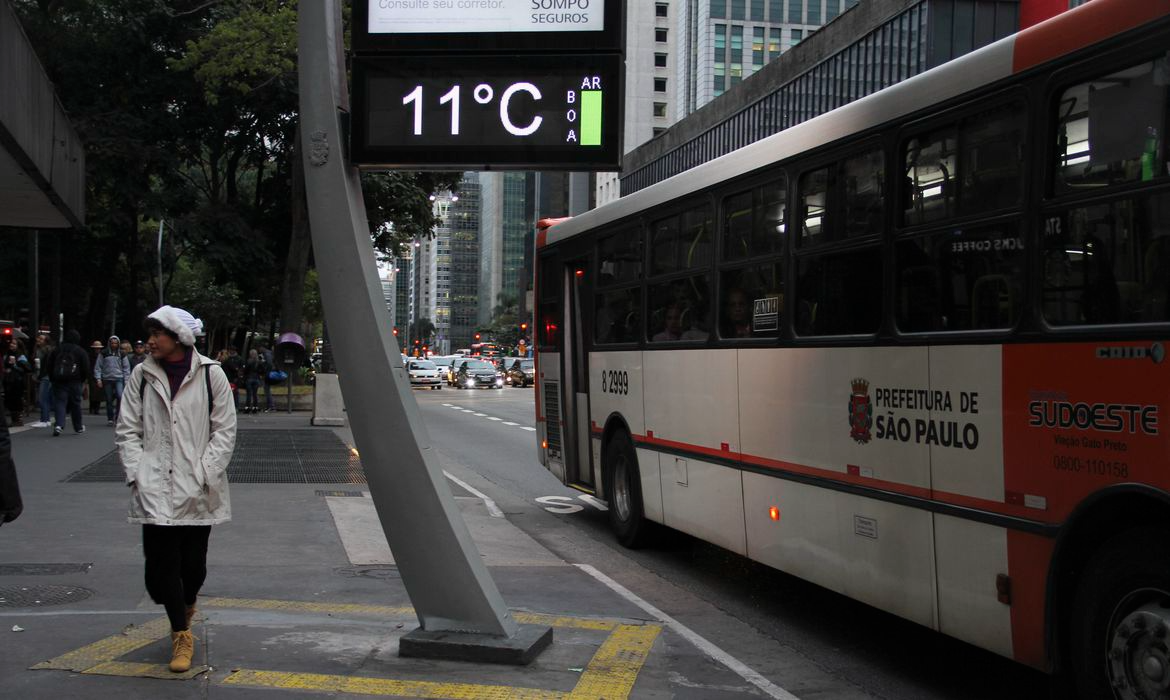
470 382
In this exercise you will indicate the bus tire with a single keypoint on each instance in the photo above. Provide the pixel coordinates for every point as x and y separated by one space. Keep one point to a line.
1121 624
624 485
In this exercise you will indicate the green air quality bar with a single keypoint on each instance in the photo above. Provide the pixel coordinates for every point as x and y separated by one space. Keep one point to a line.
591 117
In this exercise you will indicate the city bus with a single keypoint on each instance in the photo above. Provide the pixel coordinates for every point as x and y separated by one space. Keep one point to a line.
912 350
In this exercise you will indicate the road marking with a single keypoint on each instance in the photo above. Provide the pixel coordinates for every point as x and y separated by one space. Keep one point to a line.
525 427
493 509
467 410
561 505
508 422
479 415
494 418
611 673
737 666
594 501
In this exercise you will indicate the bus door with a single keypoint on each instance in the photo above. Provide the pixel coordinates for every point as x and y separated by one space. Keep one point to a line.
575 374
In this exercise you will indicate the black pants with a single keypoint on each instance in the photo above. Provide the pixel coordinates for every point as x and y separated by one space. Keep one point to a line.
176 565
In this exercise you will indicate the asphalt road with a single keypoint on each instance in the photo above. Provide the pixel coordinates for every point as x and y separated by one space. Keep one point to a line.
810 641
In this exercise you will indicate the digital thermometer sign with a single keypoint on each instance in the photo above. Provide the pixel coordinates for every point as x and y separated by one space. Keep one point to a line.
493 112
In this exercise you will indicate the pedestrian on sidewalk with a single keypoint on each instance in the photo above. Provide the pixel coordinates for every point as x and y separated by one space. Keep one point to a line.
44 385
266 355
16 372
138 357
234 367
255 372
175 438
10 503
110 374
69 370
95 394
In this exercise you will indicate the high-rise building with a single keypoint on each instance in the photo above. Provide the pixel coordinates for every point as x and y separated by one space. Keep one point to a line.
462 226
723 42
506 222
650 81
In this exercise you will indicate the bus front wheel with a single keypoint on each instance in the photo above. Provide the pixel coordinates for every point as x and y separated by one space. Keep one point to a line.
1121 631
626 516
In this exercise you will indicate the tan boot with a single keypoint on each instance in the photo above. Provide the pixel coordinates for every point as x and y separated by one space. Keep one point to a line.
183 648
190 615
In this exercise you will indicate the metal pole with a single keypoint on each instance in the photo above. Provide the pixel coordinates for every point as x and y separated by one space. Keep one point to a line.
448 584
36 283
160 271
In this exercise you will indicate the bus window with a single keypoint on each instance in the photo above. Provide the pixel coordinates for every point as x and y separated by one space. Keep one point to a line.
752 299
814 190
992 159
839 293
680 310
550 326
681 242
1108 263
617 316
753 222
930 177
960 279
864 194
619 257
1110 130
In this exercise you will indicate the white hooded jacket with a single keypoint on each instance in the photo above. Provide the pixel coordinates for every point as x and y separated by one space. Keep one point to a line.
175 454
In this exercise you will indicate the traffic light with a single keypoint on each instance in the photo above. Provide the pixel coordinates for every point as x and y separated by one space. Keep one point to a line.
395 331
523 327
477 337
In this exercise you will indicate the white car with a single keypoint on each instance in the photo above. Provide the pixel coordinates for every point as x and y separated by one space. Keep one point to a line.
423 373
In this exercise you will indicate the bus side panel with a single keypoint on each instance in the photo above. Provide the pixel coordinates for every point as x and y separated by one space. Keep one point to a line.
969 555
967 458
691 404
548 371
846 413
620 374
805 540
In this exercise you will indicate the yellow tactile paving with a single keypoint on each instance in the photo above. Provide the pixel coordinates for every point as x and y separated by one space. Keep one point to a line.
611 673
385 686
614 668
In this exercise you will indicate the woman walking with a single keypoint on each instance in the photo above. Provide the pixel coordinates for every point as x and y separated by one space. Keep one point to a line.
255 370
175 438
16 370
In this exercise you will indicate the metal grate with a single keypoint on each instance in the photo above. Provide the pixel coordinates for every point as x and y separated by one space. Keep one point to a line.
302 456
552 418
40 596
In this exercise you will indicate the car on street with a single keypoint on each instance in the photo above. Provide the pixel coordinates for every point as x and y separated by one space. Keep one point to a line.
424 373
478 374
522 372
453 368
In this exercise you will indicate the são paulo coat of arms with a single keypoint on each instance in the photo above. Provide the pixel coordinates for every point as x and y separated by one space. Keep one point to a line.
860 412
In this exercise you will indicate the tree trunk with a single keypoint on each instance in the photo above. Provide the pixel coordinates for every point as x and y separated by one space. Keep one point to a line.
292 288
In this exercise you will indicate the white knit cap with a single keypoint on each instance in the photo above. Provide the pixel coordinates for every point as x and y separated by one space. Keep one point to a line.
179 322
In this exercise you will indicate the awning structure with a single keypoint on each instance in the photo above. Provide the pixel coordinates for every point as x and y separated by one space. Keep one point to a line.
42 161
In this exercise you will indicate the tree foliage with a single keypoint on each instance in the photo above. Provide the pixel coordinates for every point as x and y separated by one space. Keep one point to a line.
188 111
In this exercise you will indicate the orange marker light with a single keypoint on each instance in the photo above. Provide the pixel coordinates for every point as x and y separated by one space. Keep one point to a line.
544 444
774 513
580 273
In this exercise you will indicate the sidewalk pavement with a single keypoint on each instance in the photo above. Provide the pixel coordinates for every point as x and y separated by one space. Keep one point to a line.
301 594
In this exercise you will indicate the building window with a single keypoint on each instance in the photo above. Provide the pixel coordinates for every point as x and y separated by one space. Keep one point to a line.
718 9
720 83
795 11
659 60
797 35
776 10
660 9
738 10
736 42
757 47
832 9
660 109
773 43
660 35
660 85
814 12
757 10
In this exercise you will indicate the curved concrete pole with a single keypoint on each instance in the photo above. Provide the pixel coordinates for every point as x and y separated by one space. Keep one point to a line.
444 575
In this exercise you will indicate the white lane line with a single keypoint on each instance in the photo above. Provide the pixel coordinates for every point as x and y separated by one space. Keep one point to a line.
741 669
480 415
525 427
467 410
493 509
508 422
448 405
494 418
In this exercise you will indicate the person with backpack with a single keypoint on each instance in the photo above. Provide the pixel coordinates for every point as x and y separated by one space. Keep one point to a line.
175 438
110 372
69 369
255 373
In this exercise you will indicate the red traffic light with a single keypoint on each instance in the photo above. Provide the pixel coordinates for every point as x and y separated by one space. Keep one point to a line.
523 326
477 336
396 330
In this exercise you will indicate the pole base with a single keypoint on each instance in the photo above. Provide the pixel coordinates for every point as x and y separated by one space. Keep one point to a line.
519 650
328 404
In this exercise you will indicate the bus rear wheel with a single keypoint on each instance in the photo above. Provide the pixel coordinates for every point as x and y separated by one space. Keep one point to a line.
624 485
1120 643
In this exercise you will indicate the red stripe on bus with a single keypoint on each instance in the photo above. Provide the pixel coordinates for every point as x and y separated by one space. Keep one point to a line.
852 476
1081 27
1028 560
